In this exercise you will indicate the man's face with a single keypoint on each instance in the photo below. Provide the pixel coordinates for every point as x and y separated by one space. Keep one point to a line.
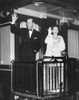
30 24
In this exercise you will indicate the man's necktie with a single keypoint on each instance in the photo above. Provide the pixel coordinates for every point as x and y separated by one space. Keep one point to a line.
30 33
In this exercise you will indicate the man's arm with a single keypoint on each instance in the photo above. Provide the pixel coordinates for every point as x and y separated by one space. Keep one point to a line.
14 29
38 42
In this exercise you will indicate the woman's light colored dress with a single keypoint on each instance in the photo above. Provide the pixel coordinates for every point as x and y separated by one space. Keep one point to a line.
54 46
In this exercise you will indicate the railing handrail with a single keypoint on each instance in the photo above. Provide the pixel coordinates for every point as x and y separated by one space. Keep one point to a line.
52 60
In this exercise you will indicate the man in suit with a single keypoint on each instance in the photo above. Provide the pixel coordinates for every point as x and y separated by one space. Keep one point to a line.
29 46
30 39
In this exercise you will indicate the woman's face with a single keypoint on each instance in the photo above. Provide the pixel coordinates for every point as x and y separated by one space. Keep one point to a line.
55 30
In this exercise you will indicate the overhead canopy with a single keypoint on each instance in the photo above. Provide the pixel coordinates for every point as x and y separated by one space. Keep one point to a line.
40 8
64 3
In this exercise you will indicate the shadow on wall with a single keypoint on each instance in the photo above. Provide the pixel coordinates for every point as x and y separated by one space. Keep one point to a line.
73 75
1 92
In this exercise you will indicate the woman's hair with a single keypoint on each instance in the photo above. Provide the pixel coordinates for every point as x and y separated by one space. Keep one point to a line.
55 26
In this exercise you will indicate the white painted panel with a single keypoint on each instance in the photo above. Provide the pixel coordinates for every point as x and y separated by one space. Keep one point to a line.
73 44
7 45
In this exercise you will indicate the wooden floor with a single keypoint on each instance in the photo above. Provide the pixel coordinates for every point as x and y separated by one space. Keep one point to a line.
58 98
62 98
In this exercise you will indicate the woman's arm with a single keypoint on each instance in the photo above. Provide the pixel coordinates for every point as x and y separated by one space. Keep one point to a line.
48 36
61 45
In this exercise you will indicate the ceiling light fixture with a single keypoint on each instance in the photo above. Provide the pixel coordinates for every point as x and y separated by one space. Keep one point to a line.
4 13
37 2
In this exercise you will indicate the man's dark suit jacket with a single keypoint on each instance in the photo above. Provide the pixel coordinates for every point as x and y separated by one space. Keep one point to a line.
27 51
28 45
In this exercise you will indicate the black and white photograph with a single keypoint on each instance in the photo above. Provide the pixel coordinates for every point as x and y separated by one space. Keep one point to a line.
39 50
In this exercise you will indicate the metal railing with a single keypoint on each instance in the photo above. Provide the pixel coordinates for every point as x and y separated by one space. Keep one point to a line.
55 76
41 78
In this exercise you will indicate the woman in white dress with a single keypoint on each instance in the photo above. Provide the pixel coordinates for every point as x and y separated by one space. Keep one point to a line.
55 46
55 43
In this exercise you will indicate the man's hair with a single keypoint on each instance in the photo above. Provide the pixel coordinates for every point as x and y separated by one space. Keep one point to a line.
30 18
